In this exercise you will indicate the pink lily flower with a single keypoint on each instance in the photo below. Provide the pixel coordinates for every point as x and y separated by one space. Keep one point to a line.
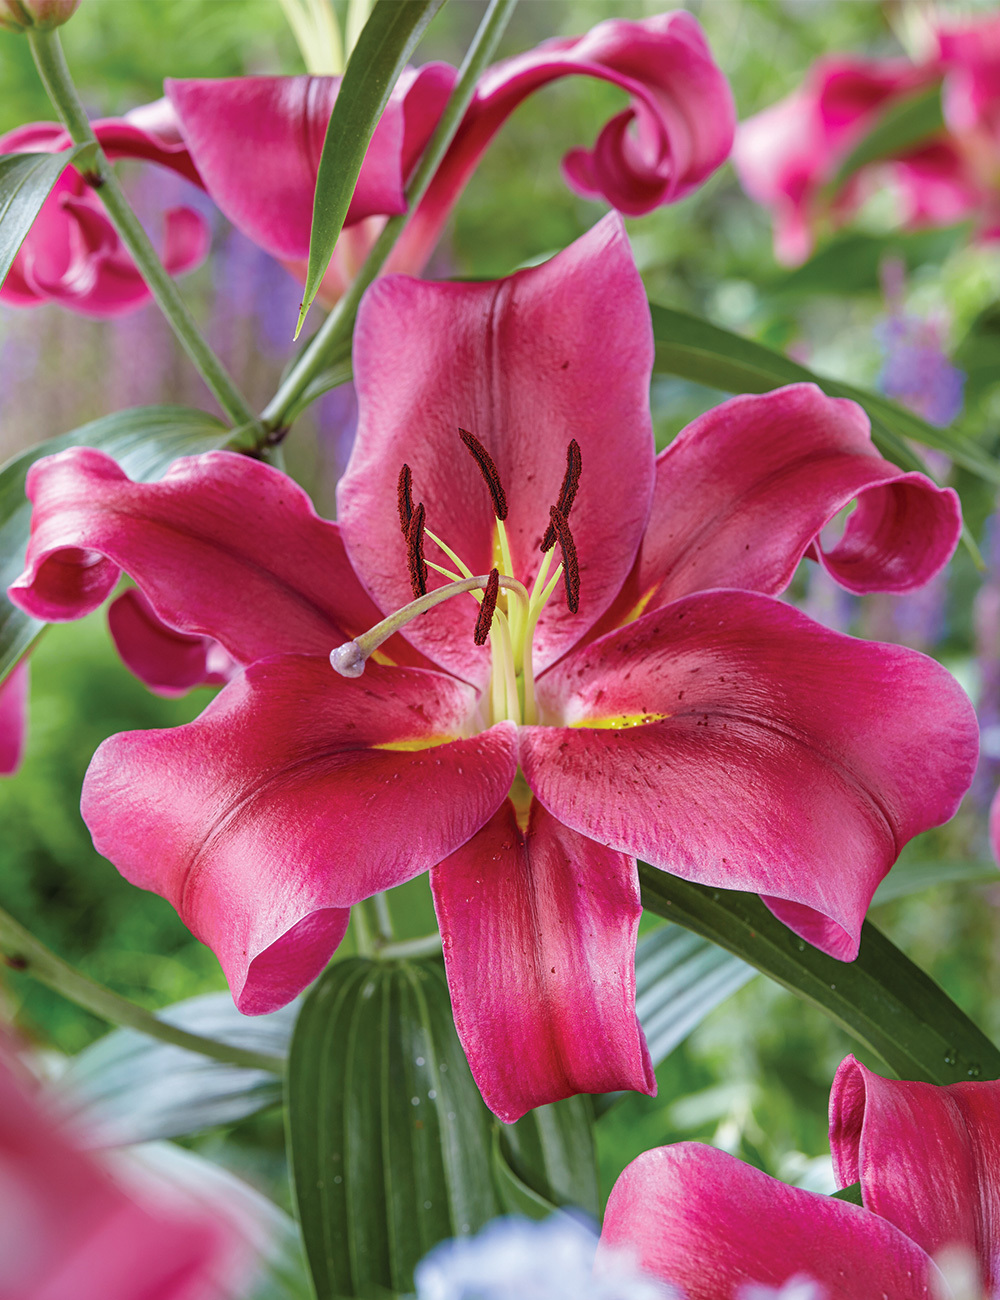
13 719
72 254
786 155
676 132
926 1158
69 1232
617 705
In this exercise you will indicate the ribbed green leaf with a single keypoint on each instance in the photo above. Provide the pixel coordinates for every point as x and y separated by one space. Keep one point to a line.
911 877
382 52
551 1152
391 1143
26 180
694 349
903 124
883 999
144 440
128 1087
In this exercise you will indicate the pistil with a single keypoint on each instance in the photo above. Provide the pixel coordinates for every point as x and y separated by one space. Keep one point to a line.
350 658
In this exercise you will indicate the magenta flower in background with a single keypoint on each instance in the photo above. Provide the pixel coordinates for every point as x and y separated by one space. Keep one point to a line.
624 706
72 254
677 130
786 155
13 719
927 1160
69 1232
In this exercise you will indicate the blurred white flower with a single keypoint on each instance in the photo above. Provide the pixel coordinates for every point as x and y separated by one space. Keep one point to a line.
798 1287
515 1259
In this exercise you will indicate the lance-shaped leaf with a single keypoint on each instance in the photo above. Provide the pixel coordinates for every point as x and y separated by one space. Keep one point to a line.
695 349
548 1159
910 877
883 999
382 52
144 440
901 125
390 1140
128 1088
25 182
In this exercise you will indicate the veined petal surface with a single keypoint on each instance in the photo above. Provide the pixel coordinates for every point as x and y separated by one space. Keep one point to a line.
743 492
295 794
560 351
706 1222
168 662
257 143
730 740
539 930
927 1158
222 546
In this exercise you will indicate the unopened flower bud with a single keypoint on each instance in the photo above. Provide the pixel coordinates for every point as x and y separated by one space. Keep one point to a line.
42 15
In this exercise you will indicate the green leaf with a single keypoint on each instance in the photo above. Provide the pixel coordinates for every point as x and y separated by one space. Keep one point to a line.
144 440
904 124
128 1087
911 877
851 263
382 52
551 1152
516 1197
694 349
889 1005
26 180
391 1144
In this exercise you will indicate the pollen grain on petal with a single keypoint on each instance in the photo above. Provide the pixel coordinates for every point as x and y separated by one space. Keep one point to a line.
415 551
567 493
404 498
488 470
487 609
571 565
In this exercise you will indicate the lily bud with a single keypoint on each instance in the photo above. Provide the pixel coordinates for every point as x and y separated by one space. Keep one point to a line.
43 15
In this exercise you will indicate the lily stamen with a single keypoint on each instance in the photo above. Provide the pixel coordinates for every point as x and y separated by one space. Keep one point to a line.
567 493
415 551
488 608
404 498
570 562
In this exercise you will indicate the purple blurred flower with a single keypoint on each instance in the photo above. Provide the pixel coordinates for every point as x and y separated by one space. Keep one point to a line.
915 371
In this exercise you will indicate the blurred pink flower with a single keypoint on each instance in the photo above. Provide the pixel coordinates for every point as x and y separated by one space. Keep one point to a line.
257 140
72 254
926 1158
719 734
788 154
13 719
69 1232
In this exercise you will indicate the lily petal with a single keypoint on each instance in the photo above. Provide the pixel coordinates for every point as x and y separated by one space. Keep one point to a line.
557 352
676 131
706 1222
539 930
222 546
295 794
168 662
927 1158
730 740
742 493
257 143
13 719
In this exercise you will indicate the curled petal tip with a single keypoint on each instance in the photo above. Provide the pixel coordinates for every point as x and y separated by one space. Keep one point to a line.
348 659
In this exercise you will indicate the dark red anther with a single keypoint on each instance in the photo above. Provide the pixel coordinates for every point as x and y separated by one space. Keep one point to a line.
489 472
488 608
415 551
404 498
567 493
571 565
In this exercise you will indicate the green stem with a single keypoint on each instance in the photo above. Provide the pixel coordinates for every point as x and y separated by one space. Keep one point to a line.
338 325
23 952
51 64
384 917
424 947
